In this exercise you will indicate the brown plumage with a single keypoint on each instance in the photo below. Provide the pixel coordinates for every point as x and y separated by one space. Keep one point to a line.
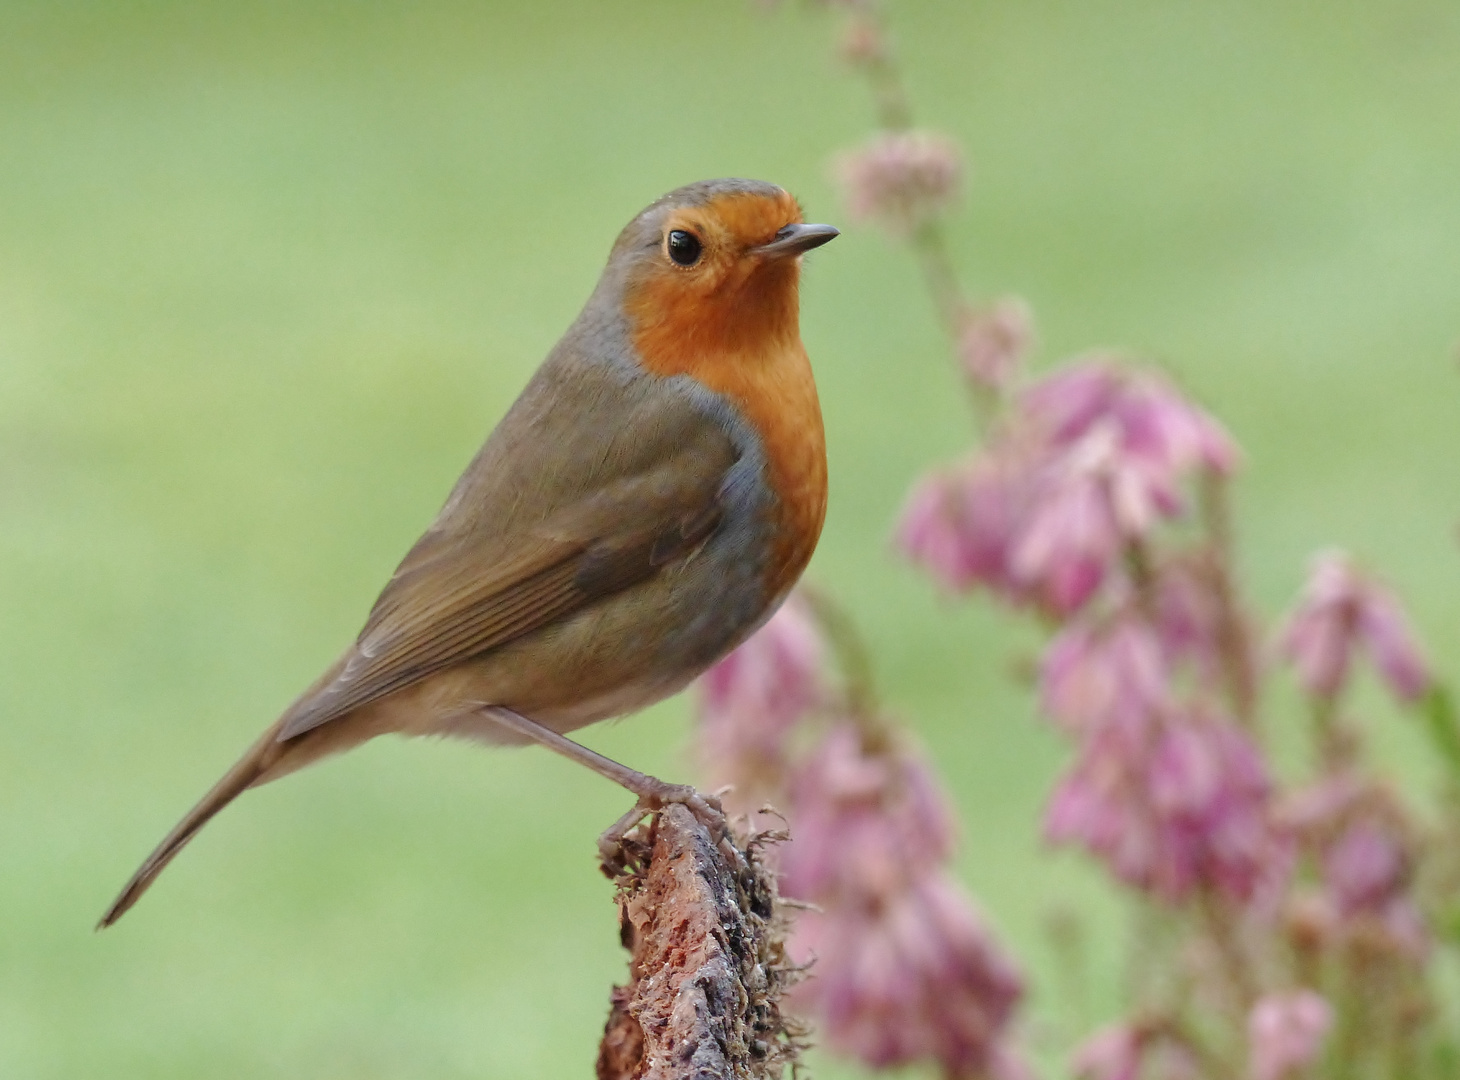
645 504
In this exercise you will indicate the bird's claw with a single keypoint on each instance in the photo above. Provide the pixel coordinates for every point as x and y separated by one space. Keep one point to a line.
613 857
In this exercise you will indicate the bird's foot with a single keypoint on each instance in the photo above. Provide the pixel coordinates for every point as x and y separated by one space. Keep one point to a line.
654 795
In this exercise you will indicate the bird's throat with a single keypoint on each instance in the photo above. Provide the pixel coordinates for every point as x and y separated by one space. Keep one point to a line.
750 354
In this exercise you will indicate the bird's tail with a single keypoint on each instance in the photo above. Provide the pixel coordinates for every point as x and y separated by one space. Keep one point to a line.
249 770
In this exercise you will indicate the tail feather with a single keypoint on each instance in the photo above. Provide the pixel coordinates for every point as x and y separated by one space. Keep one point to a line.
248 770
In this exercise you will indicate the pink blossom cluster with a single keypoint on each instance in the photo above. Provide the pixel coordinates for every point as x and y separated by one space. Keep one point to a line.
1365 849
1170 794
1069 510
862 42
1086 463
1366 868
1132 1050
1076 509
1340 612
900 179
868 821
1285 1033
1053 513
1181 810
903 968
751 702
992 343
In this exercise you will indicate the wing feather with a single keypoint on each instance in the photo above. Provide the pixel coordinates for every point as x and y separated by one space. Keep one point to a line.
444 606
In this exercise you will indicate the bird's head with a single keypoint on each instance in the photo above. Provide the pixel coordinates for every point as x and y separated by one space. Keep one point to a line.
714 267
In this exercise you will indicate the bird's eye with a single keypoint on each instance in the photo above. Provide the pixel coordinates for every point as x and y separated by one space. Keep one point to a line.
684 247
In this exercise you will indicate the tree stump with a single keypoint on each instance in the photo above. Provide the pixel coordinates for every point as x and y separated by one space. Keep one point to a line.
705 934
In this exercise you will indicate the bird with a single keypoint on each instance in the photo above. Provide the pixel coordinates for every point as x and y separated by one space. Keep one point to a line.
645 505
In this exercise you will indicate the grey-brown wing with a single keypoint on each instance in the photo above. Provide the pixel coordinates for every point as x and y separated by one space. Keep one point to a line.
457 598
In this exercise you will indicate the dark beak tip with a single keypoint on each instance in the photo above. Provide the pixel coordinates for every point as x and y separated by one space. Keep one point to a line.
798 238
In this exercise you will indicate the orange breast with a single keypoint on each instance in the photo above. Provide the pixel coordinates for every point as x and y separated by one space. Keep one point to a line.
750 353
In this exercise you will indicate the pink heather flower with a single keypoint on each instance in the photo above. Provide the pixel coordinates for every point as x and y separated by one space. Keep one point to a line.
1285 1033
1154 423
1069 537
1051 523
864 824
1188 617
1320 634
1130 492
902 179
957 523
1339 610
1128 1051
1366 867
915 978
1158 423
1393 647
1112 1053
1404 930
992 343
1117 446
1041 539
1366 863
1066 403
1006 1062
1088 460
1317 808
750 700
904 968
1097 675
936 531
1209 785
1171 808
861 42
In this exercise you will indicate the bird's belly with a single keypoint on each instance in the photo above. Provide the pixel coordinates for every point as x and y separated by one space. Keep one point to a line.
621 701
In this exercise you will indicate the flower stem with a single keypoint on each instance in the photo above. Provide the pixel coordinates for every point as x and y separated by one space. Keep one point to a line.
1443 726
929 243
1221 922
884 73
1234 646
853 658
1331 749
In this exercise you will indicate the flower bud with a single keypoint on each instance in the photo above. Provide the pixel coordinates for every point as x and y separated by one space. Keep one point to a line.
900 179
1285 1033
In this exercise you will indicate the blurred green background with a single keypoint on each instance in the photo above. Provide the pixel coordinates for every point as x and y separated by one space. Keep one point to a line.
269 272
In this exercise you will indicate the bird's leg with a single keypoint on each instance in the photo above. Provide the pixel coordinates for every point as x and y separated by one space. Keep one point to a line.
653 793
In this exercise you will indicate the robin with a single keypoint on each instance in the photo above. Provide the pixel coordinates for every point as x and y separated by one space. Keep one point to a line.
643 507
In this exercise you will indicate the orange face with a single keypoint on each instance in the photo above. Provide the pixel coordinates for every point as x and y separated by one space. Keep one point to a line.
730 320
728 297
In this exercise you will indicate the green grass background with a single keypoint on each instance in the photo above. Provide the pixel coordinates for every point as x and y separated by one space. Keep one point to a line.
270 271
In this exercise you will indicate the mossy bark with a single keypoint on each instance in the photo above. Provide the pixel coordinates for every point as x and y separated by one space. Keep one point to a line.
707 964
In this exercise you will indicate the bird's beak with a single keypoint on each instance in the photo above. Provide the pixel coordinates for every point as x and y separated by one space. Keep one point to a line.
794 239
